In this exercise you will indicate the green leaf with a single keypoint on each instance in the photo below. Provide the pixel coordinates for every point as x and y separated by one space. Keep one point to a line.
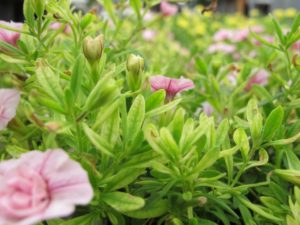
123 178
169 142
77 75
241 139
222 132
49 82
296 24
136 5
263 41
155 100
201 66
151 209
254 119
273 123
123 202
258 209
100 143
163 108
28 12
278 30
135 118
210 157
284 141
81 220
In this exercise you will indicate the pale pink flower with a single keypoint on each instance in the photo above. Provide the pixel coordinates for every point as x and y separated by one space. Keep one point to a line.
260 78
8 36
149 34
240 35
221 47
40 186
207 108
232 77
58 25
172 86
9 100
168 9
257 29
223 35
269 39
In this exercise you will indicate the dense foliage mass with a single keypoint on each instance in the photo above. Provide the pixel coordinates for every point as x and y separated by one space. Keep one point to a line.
142 117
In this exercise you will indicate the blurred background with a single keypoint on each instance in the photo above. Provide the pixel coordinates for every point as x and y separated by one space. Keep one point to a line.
12 9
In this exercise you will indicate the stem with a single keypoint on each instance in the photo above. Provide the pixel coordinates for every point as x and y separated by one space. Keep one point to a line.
45 222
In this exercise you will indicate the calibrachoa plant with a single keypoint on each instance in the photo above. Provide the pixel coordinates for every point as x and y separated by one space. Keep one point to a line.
127 116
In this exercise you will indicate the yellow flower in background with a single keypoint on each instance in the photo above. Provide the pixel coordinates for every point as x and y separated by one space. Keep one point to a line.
216 25
254 12
199 8
182 22
279 13
290 12
200 29
233 20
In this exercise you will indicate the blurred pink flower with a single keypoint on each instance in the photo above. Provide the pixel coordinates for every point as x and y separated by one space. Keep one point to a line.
240 35
223 35
9 100
221 47
260 78
172 86
232 77
257 29
40 186
8 36
58 25
296 46
207 108
269 39
149 34
168 9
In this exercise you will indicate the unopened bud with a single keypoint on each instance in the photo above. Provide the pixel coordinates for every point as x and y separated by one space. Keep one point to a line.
93 47
135 64
202 200
135 67
52 126
292 176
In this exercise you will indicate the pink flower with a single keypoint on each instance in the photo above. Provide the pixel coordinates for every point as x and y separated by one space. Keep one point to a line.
168 9
296 46
40 186
240 35
257 29
58 25
221 47
261 78
232 77
269 39
172 86
8 36
223 35
207 108
149 34
9 100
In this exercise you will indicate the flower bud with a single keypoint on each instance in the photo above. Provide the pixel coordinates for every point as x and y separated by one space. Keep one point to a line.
92 48
292 176
39 7
135 67
135 64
